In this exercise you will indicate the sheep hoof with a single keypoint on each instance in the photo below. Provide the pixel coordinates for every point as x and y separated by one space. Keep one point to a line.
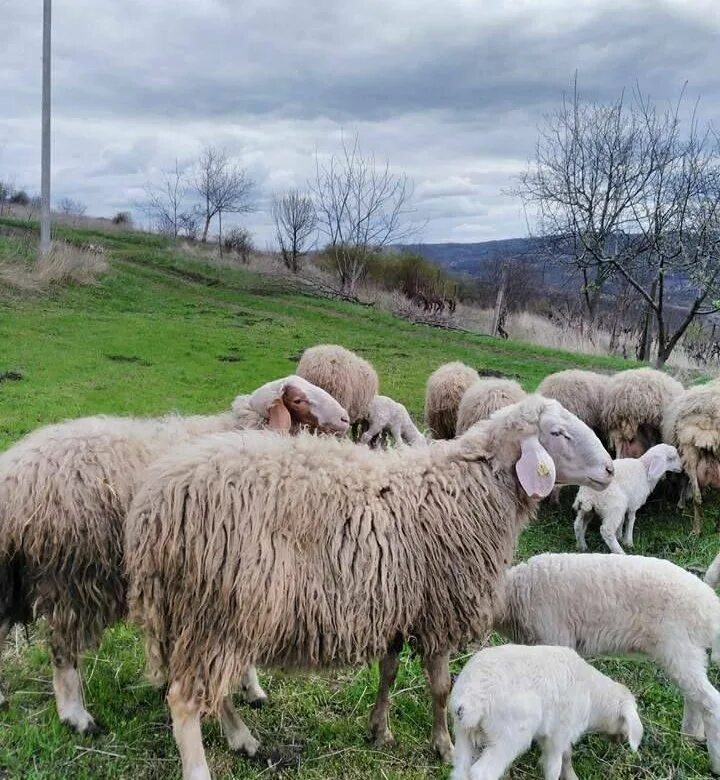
383 739
259 703
248 747
445 751
91 729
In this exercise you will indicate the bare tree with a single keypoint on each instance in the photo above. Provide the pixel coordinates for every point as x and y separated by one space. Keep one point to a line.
361 208
622 194
295 222
6 191
222 186
167 206
72 208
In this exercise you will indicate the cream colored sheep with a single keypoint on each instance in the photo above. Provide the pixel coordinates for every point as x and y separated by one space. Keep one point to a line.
444 391
580 392
388 416
484 397
64 494
621 604
308 552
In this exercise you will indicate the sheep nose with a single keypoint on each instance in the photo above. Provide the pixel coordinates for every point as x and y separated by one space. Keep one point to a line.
345 420
610 469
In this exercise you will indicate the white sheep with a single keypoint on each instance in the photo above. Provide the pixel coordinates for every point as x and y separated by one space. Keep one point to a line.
635 480
603 604
389 416
306 552
510 696
64 493
483 397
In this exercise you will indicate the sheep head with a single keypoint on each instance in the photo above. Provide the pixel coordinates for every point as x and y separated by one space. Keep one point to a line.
545 445
659 459
293 401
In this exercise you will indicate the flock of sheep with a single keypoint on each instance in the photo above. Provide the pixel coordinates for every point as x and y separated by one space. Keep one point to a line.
245 539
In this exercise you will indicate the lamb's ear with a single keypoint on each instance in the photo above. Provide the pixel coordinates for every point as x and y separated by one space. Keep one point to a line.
278 416
657 465
535 468
632 726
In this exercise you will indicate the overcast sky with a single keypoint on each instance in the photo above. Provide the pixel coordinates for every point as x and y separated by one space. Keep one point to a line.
450 92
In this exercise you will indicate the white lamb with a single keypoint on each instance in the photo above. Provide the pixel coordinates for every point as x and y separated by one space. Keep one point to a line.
389 416
635 480
603 604
510 696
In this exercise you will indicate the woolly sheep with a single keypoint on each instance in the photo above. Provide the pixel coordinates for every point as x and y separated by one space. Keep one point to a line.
444 391
350 379
692 424
64 494
310 553
635 480
633 409
483 397
509 696
620 604
580 392
389 416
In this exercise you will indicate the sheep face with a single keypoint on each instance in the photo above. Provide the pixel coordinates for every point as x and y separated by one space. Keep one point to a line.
311 406
660 459
578 454
626 725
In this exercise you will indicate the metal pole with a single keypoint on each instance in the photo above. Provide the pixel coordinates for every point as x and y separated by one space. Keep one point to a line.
45 175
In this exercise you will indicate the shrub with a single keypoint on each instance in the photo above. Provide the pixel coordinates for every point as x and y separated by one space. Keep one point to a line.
240 241
20 198
122 218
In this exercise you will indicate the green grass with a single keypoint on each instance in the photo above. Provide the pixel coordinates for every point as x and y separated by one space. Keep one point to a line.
163 332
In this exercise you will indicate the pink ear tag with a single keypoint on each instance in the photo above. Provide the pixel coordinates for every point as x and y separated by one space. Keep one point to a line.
535 468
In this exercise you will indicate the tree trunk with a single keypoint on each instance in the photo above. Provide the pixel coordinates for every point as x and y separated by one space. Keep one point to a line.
499 301
206 228
643 350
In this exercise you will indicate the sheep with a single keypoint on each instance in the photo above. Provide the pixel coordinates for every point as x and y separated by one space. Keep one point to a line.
313 553
620 604
64 493
633 409
482 398
444 391
692 424
712 575
580 392
389 416
509 696
635 480
350 379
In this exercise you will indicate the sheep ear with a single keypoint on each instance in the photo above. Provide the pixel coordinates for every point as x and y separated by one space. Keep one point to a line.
656 466
535 468
632 726
278 416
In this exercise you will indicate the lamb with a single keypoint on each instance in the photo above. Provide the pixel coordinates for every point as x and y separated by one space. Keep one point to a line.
64 493
389 416
444 391
484 397
580 392
635 480
350 379
692 424
620 604
633 409
311 553
509 696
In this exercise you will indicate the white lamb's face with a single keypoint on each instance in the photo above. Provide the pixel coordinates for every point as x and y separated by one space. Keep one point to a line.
578 454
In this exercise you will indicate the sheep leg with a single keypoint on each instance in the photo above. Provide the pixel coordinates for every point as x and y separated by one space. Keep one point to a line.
555 496
552 761
374 429
5 627
437 670
396 433
608 531
498 756
465 754
697 504
686 665
685 491
692 722
581 523
185 715
567 772
68 695
629 526
252 691
237 733
379 725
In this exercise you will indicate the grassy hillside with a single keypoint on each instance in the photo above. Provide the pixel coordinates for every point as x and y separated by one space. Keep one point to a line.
161 332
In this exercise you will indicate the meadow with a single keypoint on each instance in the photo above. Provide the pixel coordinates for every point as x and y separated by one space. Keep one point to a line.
161 331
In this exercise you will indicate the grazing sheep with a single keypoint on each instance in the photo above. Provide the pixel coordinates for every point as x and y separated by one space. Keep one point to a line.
444 391
633 409
580 392
389 416
64 494
692 424
620 604
509 696
635 480
310 553
482 398
350 379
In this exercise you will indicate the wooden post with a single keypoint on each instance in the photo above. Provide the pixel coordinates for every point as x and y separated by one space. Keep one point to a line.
45 156
499 302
